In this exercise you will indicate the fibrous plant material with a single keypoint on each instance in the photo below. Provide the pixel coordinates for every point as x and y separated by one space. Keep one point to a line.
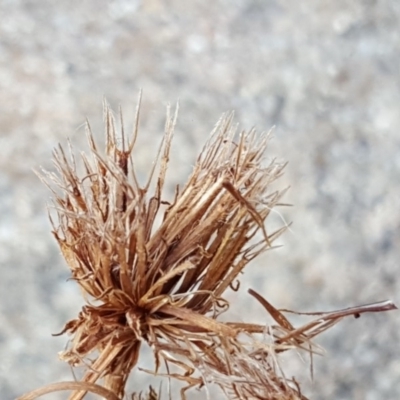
156 270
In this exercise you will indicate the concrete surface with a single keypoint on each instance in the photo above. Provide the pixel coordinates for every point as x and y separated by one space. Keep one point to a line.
325 73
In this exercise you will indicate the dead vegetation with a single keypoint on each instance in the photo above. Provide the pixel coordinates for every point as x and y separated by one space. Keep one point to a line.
156 271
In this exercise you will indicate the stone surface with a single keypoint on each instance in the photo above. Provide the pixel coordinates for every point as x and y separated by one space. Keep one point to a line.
325 73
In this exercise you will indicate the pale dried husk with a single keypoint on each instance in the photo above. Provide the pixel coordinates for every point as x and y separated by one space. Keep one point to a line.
164 282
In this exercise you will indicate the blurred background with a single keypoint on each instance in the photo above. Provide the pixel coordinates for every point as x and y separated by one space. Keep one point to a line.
325 73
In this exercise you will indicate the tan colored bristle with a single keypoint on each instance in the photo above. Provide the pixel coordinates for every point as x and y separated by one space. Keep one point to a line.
164 283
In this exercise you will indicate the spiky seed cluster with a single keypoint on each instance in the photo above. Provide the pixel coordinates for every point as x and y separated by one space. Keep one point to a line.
161 283
164 282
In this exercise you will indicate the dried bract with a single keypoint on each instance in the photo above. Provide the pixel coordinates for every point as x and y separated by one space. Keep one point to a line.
162 283
155 270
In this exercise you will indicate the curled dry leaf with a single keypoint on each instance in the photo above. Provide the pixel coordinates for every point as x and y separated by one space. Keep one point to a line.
164 282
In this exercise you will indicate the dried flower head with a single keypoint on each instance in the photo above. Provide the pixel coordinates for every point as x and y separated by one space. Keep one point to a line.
156 271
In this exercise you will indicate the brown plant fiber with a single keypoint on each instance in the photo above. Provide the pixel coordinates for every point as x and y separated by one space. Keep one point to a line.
156 271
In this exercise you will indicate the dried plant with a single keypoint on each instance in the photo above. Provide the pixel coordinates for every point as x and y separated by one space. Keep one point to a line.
156 271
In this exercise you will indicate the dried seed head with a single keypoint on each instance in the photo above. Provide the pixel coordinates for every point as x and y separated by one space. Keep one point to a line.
164 282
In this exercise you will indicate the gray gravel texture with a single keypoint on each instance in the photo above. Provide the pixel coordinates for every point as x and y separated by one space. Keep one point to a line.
325 73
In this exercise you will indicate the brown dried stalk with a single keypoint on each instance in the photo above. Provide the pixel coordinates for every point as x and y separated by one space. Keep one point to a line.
164 283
